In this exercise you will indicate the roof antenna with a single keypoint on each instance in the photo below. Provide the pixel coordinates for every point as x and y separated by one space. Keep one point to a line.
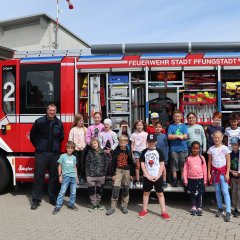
70 6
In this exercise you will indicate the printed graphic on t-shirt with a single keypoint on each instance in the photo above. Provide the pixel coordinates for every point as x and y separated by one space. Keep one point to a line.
178 131
69 162
152 162
197 131
122 160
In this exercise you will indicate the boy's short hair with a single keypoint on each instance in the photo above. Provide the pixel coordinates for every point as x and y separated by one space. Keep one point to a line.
233 116
123 137
177 111
70 144
217 115
123 122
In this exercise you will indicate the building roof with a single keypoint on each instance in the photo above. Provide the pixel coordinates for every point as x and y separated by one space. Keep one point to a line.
10 23
6 53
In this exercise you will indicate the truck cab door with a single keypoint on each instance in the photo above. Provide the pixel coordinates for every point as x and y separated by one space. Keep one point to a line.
39 86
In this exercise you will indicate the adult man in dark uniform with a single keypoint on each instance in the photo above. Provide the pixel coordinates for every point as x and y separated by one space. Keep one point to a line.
46 136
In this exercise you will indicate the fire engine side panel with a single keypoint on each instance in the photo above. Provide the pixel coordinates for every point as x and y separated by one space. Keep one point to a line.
67 98
9 105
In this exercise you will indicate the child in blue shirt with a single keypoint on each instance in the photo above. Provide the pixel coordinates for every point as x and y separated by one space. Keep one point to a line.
177 136
67 172
162 145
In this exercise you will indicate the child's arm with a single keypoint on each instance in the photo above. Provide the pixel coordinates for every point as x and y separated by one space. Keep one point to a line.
88 135
75 169
132 147
167 149
115 140
87 164
60 172
209 166
204 165
160 171
145 173
185 172
204 140
228 167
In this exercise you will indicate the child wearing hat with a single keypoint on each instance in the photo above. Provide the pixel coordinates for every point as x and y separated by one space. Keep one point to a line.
151 127
108 140
234 175
152 163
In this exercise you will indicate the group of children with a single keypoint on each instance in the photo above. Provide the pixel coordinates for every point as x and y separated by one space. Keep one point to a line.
98 151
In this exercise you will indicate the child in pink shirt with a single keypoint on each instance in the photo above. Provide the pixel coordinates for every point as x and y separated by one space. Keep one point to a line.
195 177
94 130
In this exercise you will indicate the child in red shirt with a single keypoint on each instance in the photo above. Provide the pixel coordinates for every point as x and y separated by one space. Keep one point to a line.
151 128
195 177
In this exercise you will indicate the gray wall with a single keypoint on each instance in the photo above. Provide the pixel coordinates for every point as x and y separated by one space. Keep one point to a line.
37 36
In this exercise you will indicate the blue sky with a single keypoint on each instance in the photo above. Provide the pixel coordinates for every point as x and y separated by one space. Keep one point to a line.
139 21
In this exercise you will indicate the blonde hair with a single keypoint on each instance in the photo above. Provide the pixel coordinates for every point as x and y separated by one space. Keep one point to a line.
123 137
77 117
94 139
217 132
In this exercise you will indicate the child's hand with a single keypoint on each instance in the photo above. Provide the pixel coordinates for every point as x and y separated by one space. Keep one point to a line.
209 177
150 178
107 150
234 173
113 178
131 178
60 179
227 177
180 137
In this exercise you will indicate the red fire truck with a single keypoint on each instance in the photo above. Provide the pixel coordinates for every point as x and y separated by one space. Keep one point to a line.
124 82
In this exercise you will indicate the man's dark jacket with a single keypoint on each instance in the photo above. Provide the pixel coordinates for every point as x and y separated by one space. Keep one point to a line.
46 135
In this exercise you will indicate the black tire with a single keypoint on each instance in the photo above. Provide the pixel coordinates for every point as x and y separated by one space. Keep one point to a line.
5 175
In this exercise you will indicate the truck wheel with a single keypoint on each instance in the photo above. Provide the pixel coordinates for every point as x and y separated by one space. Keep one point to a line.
5 175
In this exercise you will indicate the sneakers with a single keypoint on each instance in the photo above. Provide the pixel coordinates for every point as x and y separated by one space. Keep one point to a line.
165 216
142 214
138 185
82 181
193 211
174 183
73 207
165 185
35 204
219 213
236 213
228 217
55 210
92 208
99 207
199 212
110 211
124 210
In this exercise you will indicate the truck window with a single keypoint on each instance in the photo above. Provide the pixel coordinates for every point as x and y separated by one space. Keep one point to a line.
8 90
40 85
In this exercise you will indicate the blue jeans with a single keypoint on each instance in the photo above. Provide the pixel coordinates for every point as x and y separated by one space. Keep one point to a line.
222 188
65 183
